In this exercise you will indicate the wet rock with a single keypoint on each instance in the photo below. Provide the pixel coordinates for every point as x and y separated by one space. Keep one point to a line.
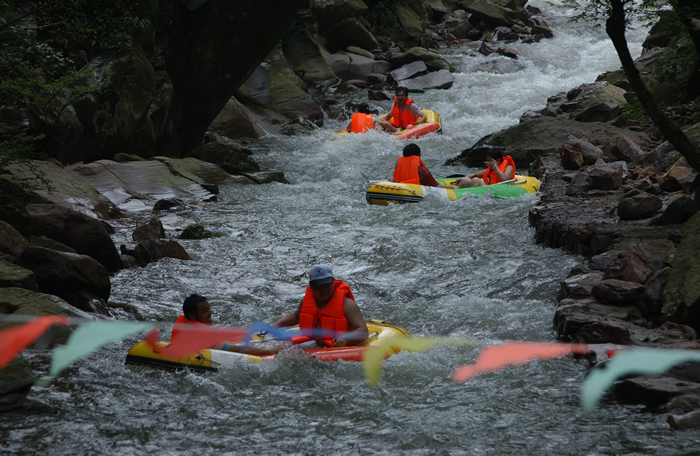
375 78
638 264
579 184
679 211
589 153
654 289
603 332
679 177
43 241
409 71
88 302
15 382
442 79
266 177
167 204
641 185
679 331
197 231
165 249
603 112
653 391
605 176
84 234
579 286
638 206
690 420
11 241
153 230
12 275
378 95
681 404
574 314
351 66
570 159
618 292
231 159
433 61
61 273
626 149
12 211
19 301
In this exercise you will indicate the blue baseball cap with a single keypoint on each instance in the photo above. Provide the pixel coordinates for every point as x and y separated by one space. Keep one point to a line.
320 274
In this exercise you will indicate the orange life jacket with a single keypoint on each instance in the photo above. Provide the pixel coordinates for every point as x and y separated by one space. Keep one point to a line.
330 320
406 170
181 320
402 119
491 177
361 123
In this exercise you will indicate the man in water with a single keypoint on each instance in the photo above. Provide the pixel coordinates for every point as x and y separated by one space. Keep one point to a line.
197 311
328 313
363 121
410 169
404 112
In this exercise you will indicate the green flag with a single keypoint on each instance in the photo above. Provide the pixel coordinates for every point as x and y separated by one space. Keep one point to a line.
632 361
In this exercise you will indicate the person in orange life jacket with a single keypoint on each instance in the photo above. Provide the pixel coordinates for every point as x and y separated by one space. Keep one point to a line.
363 121
498 169
410 169
197 311
330 307
404 112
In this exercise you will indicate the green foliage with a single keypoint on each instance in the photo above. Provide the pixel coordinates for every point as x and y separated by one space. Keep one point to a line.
21 149
90 25
634 111
383 16
598 11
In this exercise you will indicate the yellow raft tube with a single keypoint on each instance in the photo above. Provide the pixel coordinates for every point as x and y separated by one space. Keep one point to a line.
143 354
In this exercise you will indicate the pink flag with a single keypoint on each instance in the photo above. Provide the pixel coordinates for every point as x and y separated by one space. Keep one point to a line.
15 339
495 357
193 338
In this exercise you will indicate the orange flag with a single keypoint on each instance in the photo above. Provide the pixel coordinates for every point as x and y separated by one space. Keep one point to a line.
14 340
193 338
495 357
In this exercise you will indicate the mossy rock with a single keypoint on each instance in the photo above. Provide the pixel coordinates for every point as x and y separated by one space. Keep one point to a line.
229 158
197 231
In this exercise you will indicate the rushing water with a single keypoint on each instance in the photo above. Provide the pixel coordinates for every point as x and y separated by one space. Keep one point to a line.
442 269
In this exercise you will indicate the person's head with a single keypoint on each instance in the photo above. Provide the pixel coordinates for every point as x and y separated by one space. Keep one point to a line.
322 282
401 91
196 308
495 153
411 149
363 108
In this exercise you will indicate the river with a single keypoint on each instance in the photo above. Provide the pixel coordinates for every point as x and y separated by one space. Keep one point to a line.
465 269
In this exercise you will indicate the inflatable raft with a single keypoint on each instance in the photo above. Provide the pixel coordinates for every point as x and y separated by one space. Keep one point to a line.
432 124
143 354
385 192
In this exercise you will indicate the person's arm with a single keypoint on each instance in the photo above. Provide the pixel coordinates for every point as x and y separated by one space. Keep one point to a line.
356 321
418 114
505 175
250 350
290 319
480 175
382 122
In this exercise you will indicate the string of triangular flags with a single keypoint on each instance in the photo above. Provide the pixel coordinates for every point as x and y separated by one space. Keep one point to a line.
90 335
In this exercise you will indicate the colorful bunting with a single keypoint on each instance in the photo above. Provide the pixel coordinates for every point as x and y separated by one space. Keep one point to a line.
373 359
15 339
194 338
495 357
90 336
625 362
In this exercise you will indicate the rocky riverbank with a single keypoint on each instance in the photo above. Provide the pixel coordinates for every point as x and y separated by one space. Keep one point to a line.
615 192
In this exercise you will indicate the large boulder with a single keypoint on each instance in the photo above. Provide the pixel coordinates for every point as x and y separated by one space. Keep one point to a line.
235 122
66 188
78 231
18 301
496 14
11 241
338 22
540 136
302 49
682 293
63 273
433 61
229 158
442 79
410 21
136 186
273 85
15 382
353 66
12 275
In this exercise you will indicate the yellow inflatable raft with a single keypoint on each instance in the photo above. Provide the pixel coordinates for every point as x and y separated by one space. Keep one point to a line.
143 354
385 192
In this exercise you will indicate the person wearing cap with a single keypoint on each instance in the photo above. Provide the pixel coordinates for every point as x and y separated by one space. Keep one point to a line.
328 313
410 169
498 169
363 121
197 312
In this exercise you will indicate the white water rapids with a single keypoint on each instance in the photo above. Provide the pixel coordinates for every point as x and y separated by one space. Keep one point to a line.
465 269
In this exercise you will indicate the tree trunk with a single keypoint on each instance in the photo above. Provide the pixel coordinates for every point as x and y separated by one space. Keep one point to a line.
689 14
615 27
